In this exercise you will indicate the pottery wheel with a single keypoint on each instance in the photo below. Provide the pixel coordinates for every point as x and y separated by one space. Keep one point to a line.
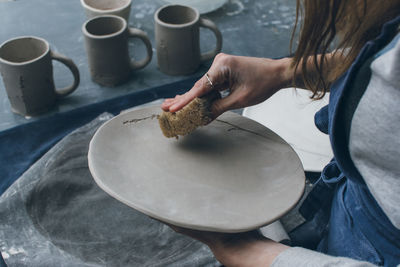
56 215
232 175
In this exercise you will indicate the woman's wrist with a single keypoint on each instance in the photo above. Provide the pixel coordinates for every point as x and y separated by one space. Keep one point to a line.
280 72
286 70
248 252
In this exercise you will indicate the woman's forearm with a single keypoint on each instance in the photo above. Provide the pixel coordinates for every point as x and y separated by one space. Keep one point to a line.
293 79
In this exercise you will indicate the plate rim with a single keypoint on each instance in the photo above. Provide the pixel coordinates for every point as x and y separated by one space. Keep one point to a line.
193 226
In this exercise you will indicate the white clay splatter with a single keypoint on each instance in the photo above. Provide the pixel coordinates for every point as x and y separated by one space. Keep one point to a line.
276 22
14 251
231 29
5 255
144 9
139 15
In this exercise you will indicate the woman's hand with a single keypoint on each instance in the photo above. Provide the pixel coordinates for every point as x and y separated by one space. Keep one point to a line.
250 81
240 249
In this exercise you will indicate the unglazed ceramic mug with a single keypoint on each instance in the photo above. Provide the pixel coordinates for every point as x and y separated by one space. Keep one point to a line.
106 40
27 71
178 39
94 8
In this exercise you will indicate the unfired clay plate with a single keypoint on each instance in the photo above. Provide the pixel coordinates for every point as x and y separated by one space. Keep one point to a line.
232 175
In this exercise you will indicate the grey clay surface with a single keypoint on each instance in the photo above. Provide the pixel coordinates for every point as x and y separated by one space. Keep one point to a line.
233 175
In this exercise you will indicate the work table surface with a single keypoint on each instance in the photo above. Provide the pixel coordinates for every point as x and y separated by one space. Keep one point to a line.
249 28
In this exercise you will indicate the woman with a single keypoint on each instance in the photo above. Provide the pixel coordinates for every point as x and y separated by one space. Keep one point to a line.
355 203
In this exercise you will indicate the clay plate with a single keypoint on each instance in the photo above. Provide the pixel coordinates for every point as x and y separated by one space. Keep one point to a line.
232 175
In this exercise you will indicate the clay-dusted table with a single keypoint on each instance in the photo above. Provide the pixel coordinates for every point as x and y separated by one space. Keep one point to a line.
249 28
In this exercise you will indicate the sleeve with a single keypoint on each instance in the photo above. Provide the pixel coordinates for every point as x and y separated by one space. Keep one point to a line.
300 257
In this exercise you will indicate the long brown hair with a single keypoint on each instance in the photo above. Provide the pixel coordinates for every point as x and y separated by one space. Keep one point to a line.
338 26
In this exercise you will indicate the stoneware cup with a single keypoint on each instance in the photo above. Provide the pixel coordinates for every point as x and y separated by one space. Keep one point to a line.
106 40
27 71
94 8
178 39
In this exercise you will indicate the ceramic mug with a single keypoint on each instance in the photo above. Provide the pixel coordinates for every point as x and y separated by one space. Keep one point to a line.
27 71
178 39
94 8
106 40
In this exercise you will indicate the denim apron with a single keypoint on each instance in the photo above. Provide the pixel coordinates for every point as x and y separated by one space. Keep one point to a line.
348 218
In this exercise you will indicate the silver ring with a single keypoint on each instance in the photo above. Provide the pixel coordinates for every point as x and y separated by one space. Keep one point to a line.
209 80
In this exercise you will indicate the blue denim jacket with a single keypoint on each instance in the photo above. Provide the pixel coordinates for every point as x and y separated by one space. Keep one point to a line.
353 223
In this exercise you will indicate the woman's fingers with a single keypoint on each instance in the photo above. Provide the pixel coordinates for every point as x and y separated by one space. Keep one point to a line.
167 103
201 87
217 77
181 101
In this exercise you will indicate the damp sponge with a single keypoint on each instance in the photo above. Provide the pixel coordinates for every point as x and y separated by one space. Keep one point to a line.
196 113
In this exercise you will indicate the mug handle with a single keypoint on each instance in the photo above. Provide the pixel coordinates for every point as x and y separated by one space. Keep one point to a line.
205 23
75 72
136 33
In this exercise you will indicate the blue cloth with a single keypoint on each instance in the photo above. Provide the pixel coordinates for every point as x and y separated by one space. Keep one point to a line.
21 146
355 225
